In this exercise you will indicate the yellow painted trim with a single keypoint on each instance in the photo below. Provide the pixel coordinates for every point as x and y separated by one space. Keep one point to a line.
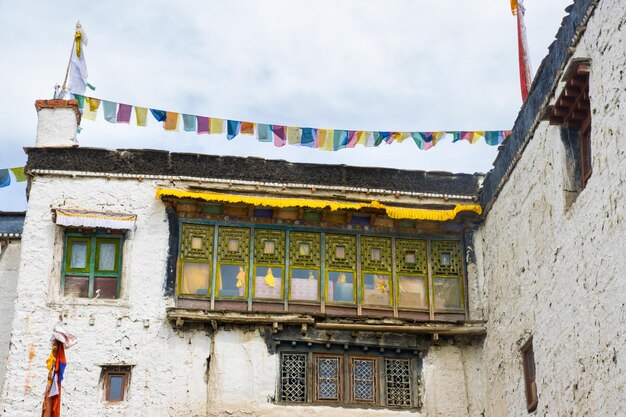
284 202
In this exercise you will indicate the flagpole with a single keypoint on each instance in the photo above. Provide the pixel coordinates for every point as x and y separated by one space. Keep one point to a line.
69 61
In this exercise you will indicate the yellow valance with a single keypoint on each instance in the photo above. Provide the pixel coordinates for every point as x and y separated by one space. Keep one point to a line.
283 202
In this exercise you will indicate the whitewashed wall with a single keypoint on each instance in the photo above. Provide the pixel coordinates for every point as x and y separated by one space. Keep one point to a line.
9 265
170 375
559 274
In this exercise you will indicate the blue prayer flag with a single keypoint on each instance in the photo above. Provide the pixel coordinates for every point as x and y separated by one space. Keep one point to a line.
159 115
189 123
264 133
307 137
233 128
5 178
110 111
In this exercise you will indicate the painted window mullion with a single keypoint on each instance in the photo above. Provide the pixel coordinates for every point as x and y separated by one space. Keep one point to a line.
395 287
431 301
287 277
322 275
214 265
251 272
92 265
119 266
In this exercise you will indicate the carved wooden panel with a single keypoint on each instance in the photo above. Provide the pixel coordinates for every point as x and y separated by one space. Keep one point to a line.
305 250
411 256
196 242
269 247
375 254
340 251
233 245
446 257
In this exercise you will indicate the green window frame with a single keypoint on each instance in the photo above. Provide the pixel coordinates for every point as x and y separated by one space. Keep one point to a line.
340 259
196 252
90 281
412 274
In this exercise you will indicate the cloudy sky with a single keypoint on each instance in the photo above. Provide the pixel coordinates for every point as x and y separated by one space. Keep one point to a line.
389 65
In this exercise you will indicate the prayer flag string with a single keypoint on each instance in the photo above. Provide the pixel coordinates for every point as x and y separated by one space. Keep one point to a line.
5 177
323 139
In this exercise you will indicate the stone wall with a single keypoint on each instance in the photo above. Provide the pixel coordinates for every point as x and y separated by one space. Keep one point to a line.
555 271
9 266
189 372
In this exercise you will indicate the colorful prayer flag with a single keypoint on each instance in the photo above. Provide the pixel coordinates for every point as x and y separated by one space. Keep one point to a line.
293 135
141 113
279 135
5 178
91 110
233 128
123 113
203 125
263 132
247 128
307 138
19 174
110 111
159 115
171 121
189 123
216 126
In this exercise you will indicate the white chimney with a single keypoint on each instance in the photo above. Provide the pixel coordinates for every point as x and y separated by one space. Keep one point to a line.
57 123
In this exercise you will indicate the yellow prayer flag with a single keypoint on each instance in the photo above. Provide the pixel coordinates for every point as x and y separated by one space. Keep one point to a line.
171 121
293 135
362 138
94 103
141 113
216 126
401 136
514 7
330 140
476 136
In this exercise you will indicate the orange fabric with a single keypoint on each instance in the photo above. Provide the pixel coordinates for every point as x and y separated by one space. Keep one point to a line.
171 121
52 405
247 128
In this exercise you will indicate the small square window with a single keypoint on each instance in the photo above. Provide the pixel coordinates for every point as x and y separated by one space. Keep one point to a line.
328 381
304 249
375 254
233 245
445 258
116 380
340 252
409 257
196 243
269 246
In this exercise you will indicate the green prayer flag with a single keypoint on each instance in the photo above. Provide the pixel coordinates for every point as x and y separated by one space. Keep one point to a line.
19 174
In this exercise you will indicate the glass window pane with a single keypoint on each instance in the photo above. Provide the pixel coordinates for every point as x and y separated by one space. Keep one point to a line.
105 287
233 245
106 257
304 249
363 380
445 258
196 243
376 290
76 286
410 257
340 252
268 247
375 254
304 285
268 283
341 287
231 281
328 378
447 293
78 258
116 388
195 279
413 292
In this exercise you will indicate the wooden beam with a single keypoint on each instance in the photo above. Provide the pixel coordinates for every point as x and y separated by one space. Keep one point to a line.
445 330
